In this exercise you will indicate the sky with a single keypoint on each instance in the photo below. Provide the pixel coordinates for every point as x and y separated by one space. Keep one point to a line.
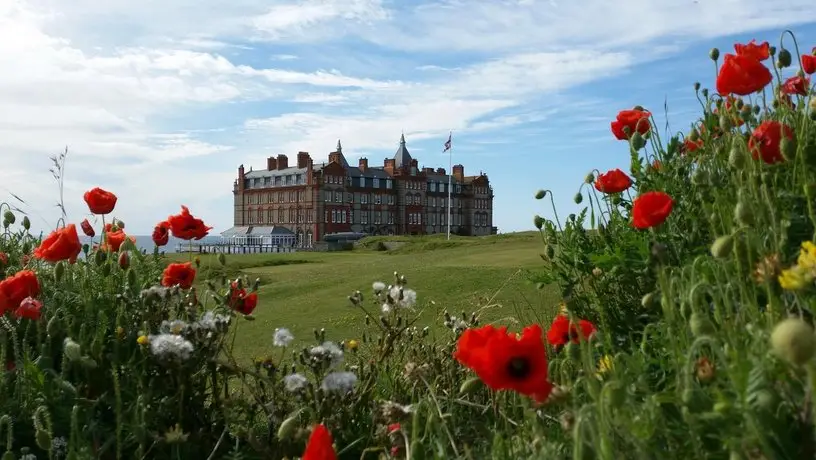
160 102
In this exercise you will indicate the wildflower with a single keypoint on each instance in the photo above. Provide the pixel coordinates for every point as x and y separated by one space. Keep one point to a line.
175 435
793 340
71 349
705 370
61 244
795 278
211 322
767 269
295 382
241 301
87 229
353 344
341 382
809 63
161 233
394 427
179 274
651 209
613 181
319 446
327 351
796 86
742 75
393 412
100 201
690 145
114 240
283 337
142 340
759 52
605 364
16 288
415 372
378 287
187 227
562 308
504 362
170 347
633 120
29 308
562 331
765 140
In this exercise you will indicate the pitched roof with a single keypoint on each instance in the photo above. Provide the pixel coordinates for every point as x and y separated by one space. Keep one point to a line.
402 159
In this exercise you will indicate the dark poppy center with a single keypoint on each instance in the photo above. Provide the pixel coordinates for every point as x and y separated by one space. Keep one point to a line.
518 367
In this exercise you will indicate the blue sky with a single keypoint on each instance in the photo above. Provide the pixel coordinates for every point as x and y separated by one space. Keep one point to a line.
161 101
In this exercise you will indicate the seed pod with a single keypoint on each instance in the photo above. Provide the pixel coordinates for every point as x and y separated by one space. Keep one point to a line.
124 260
470 386
43 440
784 59
288 426
714 54
700 325
26 223
722 246
743 214
538 221
578 198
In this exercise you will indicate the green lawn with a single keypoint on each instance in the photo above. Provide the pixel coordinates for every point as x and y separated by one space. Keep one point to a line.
307 290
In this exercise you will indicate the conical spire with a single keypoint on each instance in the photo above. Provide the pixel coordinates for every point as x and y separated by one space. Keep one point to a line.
339 147
402 159
402 139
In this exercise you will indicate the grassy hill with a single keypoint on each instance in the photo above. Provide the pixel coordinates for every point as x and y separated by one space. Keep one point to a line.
307 290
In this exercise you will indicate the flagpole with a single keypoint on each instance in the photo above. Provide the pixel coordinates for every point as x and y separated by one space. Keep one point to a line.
450 177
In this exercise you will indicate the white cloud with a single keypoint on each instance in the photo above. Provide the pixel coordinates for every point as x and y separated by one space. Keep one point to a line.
125 87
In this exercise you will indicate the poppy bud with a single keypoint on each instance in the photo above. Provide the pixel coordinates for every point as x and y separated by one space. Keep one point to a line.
723 407
128 245
99 257
701 325
616 199
650 300
9 217
615 394
590 178
540 194
736 158
725 123
538 221
793 340
59 271
574 351
700 177
71 349
694 135
638 142
288 426
549 251
722 246
704 92
787 147
131 278
470 386
222 259
43 440
714 54
696 86
26 223
578 198
119 224
106 269
124 260
88 362
743 214
784 59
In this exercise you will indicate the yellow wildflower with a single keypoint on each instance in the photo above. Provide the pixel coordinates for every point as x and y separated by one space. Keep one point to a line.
605 364
795 278
807 255
353 344
142 340
562 308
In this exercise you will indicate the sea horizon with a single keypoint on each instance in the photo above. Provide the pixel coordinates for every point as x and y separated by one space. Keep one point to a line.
145 242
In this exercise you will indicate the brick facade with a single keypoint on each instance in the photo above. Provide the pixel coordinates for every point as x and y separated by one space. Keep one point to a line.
397 198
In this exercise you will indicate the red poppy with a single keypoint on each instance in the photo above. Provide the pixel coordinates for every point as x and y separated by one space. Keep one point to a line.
505 361
809 63
3 259
87 229
100 201
16 288
613 181
690 145
161 233
61 244
187 227
242 302
657 165
765 140
651 209
752 50
113 240
635 120
796 86
29 308
742 75
562 331
730 104
394 427
319 446
181 274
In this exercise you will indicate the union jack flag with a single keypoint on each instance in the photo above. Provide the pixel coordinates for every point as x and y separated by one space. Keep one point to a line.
448 143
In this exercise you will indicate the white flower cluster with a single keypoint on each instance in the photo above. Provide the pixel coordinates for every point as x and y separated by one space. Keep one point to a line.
327 351
394 296
283 337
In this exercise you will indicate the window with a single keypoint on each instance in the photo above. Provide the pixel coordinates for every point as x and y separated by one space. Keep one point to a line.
344 215
338 197
278 181
376 182
391 199
390 217
458 188
291 215
377 218
411 218
288 180
328 195
364 217
364 198
388 183
362 181
333 216
292 197
270 216
433 186
350 197
280 215
377 198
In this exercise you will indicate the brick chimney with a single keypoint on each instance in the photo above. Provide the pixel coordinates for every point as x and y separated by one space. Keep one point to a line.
283 162
427 170
389 166
335 157
459 172
303 159
363 164
271 164
414 163
241 177
440 171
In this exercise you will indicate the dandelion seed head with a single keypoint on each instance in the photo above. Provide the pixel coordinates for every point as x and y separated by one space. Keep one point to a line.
283 337
341 382
295 382
170 347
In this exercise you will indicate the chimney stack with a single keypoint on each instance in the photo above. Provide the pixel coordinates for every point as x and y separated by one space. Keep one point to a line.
271 164
283 162
363 164
241 177
389 166
303 159
440 171
459 172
